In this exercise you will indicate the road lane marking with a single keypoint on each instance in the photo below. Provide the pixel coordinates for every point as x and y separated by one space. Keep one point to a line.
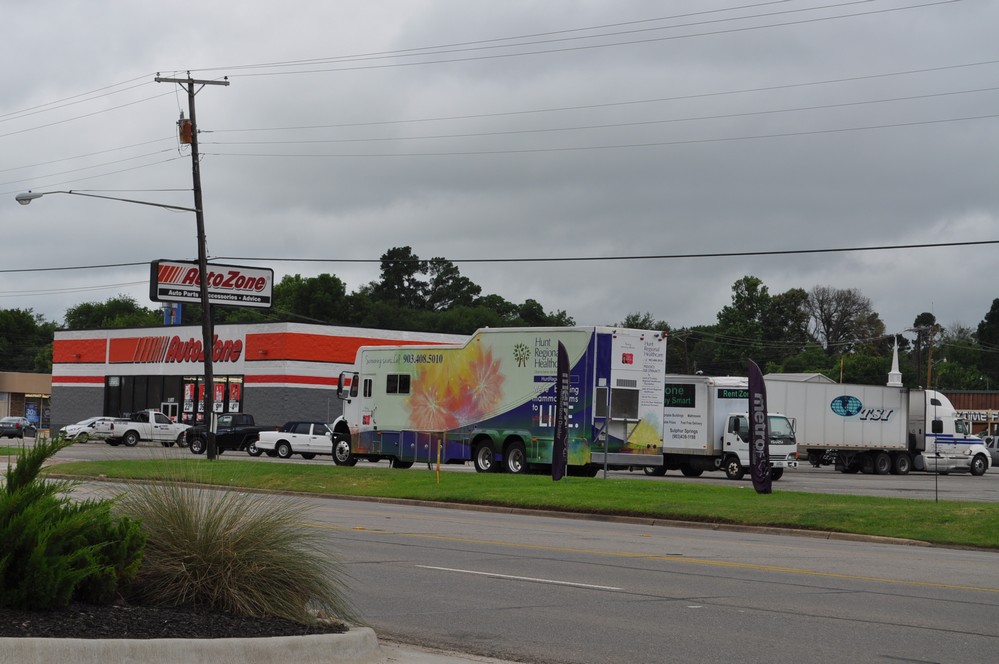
673 558
551 582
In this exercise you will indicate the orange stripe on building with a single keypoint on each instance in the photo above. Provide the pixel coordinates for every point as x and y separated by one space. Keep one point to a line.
313 347
123 350
79 351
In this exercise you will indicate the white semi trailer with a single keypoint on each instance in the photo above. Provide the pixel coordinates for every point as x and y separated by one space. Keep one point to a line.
878 429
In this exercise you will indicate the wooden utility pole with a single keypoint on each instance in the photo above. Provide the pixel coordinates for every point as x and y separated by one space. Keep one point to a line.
207 332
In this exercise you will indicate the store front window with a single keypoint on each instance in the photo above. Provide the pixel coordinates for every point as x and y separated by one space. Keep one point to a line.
181 397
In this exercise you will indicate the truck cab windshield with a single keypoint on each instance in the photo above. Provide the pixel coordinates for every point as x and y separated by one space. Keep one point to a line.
780 428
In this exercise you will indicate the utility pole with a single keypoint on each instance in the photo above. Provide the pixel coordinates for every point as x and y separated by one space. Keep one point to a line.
207 332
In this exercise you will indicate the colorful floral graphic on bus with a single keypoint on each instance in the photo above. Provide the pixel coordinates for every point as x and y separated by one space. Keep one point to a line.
467 387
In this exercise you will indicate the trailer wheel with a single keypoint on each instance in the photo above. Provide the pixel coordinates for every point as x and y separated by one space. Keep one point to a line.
484 457
901 464
689 471
734 469
655 471
776 473
131 439
979 465
516 458
342 454
882 463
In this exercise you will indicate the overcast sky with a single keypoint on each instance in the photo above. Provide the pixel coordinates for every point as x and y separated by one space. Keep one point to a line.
513 130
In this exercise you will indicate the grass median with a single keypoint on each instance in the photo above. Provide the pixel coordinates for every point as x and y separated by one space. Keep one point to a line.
945 522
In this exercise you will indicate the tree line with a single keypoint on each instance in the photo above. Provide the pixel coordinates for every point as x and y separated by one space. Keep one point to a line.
825 330
835 332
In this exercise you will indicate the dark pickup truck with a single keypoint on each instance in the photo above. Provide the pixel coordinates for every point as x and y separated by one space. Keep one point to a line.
233 431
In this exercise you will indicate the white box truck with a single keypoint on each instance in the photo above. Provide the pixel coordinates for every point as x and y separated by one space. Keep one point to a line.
878 429
706 427
491 400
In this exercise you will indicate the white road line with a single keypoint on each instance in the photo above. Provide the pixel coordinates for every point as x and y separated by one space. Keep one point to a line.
520 578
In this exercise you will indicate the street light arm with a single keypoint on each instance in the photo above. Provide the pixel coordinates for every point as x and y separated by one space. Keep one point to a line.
26 198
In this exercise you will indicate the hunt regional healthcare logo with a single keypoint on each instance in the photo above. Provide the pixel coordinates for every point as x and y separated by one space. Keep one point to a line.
521 353
846 405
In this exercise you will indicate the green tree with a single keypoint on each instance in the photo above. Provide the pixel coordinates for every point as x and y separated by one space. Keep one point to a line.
784 326
400 282
646 321
740 326
25 341
447 288
116 312
961 368
842 318
319 299
988 342
926 328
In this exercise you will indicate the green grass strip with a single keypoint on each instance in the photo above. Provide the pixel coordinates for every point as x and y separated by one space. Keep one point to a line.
945 522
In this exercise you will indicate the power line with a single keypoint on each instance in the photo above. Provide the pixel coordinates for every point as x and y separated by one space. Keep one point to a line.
547 259
616 125
595 46
654 100
413 51
617 146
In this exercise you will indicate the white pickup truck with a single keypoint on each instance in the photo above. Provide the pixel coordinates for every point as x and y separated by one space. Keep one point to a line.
151 425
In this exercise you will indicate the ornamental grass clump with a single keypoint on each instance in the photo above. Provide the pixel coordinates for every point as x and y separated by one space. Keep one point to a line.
230 551
55 550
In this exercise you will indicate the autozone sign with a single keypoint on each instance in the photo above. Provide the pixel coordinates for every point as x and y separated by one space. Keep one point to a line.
232 285
167 349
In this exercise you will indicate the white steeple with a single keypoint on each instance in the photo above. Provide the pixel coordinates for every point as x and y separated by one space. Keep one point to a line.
894 376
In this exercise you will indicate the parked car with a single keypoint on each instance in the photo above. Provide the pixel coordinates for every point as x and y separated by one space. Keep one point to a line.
992 444
233 431
17 427
297 437
84 430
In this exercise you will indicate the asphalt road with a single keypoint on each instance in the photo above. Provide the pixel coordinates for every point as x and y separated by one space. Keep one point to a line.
556 589
550 589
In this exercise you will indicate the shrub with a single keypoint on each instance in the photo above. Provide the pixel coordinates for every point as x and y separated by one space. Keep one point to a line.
54 550
234 552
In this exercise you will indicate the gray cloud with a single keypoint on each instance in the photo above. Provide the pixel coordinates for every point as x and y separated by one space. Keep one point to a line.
687 145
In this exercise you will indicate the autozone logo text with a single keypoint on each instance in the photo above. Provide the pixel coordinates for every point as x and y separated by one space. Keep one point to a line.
164 349
230 279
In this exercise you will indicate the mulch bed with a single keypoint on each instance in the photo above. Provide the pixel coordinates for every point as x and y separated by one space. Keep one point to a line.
117 621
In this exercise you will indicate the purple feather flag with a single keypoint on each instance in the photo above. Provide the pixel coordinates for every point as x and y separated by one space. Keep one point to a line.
759 432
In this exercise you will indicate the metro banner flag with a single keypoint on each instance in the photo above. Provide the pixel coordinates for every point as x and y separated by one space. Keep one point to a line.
560 443
759 432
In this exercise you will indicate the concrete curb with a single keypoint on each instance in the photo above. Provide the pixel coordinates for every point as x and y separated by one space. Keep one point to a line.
359 645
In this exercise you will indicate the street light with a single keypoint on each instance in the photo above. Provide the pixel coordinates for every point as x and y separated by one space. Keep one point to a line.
206 311
26 198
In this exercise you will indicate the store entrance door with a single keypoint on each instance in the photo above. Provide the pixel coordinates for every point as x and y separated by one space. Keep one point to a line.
171 409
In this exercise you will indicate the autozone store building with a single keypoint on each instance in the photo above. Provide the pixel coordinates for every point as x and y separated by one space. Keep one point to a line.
275 371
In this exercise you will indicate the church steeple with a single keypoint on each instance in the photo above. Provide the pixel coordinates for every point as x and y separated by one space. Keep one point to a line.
894 376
